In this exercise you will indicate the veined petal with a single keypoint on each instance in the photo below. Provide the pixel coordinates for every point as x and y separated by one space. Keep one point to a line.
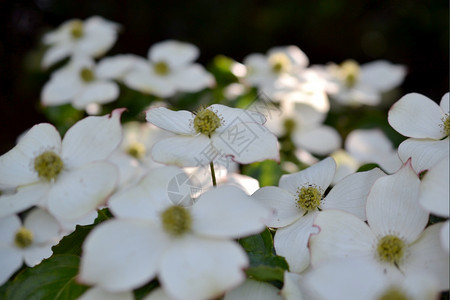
434 190
134 250
292 242
196 268
252 289
320 140
25 197
393 205
97 293
231 116
341 235
82 190
174 53
97 92
179 122
416 116
350 194
93 138
17 165
424 153
281 202
193 78
173 151
11 261
320 174
228 212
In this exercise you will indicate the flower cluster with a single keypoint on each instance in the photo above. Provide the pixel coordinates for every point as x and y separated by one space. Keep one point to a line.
231 189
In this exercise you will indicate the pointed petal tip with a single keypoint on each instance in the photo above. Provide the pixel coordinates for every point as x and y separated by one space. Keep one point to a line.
117 112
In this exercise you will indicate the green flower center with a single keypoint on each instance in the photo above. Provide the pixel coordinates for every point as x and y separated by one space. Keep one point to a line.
391 249
176 220
23 238
137 150
279 62
445 125
48 165
87 75
308 198
77 29
289 125
393 293
161 68
350 72
206 121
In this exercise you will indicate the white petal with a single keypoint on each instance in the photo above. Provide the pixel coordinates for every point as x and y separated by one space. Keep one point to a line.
174 121
193 78
445 236
36 253
252 289
297 56
445 103
424 153
98 37
157 294
17 165
97 92
55 54
427 255
44 226
81 191
173 52
121 255
341 235
231 116
228 212
434 191
393 205
25 197
62 87
320 174
321 140
184 151
291 288
417 116
146 82
350 194
382 75
196 268
115 67
8 228
292 242
93 138
281 202
11 261
97 293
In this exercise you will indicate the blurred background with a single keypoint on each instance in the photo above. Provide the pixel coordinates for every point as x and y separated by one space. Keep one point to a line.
412 33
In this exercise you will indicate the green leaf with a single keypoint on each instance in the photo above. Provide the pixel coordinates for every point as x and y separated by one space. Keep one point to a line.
141 292
53 279
267 172
367 167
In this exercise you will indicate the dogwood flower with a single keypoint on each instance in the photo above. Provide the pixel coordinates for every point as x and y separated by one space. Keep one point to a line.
69 177
80 84
169 69
29 242
189 248
92 37
212 132
298 199
394 239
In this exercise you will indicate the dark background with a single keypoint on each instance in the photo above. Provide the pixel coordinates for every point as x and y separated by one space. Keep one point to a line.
414 33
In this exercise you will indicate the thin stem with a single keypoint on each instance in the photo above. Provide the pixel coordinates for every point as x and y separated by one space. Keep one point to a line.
213 174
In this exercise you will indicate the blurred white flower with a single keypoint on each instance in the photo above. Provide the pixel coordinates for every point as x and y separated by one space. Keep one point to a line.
92 37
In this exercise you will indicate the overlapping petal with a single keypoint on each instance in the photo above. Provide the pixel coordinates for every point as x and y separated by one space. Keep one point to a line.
179 122
434 189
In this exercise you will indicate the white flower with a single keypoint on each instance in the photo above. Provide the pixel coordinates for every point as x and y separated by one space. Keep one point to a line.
189 248
210 133
299 198
92 37
427 126
395 239
352 84
80 84
70 177
29 243
116 67
169 69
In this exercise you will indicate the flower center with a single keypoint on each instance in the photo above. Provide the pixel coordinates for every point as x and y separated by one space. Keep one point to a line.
445 125
350 72
176 220
391 249
206 121
48 165
137 150
161 68
23 238
289 125
308 198
279 62
393 293
77 29
87 75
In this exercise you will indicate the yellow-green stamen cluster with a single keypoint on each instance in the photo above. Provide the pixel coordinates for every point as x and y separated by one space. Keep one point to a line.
76 30
445 125
289 125
279 62
308 198
161 68
176 220
87 75
391 249
137 150
393 293
350 72
23 238
206 121
48 165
